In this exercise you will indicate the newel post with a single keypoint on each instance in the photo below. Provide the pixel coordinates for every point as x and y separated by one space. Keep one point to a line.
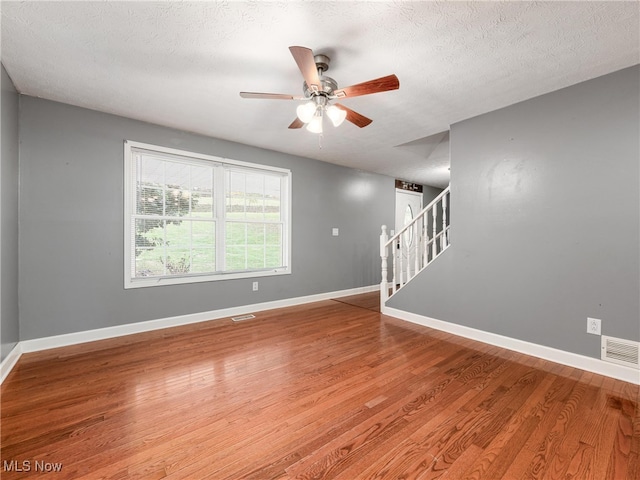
384 253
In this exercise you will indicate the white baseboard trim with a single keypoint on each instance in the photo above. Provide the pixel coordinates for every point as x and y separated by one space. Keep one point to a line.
10 361
38 344
595 365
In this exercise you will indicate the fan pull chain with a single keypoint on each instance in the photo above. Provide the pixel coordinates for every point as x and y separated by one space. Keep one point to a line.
320 141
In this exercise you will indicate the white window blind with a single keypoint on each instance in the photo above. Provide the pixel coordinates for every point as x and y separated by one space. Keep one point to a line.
192 217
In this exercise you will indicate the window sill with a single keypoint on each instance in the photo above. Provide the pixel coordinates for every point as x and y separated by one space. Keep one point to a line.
130 283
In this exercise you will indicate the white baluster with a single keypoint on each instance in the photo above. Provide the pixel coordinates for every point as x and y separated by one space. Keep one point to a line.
425 228
400 262
443 238
394 247
384 253
435 222
416 245
448 218
406 250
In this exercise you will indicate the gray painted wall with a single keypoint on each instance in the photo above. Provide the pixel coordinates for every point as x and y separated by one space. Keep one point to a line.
9 325
71 219
429 193
545 210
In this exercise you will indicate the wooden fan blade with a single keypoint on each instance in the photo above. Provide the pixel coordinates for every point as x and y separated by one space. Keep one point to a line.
382 84
297 123
269 96
354 117
307 65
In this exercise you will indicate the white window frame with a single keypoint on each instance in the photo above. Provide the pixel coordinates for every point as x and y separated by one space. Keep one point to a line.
219 188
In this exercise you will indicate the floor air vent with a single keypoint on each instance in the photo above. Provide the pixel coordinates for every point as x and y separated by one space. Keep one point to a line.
622 352
243 317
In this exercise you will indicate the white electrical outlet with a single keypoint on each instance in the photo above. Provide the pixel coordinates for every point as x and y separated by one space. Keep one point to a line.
335 232
255 286
594 325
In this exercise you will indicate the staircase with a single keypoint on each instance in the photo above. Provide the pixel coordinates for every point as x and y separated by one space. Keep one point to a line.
414 247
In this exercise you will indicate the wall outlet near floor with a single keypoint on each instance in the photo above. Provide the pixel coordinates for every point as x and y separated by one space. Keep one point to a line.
594 325
255 286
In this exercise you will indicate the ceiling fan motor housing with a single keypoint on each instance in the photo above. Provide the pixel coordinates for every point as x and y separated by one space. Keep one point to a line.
327 87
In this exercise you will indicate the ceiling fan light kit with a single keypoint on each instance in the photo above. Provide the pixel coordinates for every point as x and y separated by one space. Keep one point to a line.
336 115
312 112
306 111
319 90
315 125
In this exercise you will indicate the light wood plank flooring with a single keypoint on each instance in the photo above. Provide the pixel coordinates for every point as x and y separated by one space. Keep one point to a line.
329 390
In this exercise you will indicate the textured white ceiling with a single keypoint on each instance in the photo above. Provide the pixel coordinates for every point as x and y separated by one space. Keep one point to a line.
183 65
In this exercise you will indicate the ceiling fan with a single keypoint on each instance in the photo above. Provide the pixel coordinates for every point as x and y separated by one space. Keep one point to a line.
319 91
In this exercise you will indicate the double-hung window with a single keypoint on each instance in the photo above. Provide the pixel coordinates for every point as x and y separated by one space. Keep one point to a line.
192 217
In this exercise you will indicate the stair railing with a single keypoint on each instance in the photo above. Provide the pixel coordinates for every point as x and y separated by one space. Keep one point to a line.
415 246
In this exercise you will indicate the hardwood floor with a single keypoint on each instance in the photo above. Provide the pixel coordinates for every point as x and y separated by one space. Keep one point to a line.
365 300
326 390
